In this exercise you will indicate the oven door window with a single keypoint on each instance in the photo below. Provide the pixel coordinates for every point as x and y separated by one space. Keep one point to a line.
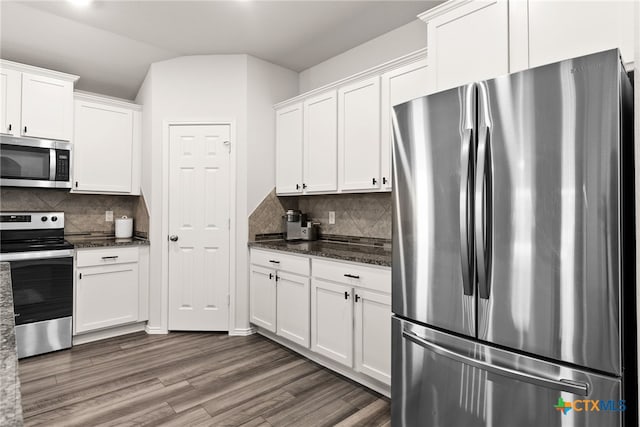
42 289
25 162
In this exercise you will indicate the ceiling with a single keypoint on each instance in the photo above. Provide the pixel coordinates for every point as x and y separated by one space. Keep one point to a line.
111 44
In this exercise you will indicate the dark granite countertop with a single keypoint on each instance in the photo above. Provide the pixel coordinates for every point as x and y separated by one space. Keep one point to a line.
10 397
101 241
341 251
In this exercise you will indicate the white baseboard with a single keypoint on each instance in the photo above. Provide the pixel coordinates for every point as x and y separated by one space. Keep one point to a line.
155 330
366 381
238 332
108 333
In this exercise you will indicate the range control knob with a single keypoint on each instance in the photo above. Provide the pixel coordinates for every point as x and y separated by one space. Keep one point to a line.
54 218
44 218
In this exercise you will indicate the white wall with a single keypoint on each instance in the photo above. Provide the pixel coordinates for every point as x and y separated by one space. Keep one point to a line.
211 87
267 84
391 45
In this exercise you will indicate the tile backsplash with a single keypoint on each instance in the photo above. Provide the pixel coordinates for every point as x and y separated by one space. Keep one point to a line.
83 212
358 215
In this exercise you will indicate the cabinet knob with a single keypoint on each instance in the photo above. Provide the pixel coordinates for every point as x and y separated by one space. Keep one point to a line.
357 297
374 181
173 238
346 295
270 276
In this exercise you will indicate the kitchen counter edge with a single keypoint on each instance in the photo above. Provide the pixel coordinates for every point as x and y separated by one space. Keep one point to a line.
102 242
352 253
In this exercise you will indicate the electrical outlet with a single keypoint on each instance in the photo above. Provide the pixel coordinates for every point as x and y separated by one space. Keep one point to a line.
332 217
108 216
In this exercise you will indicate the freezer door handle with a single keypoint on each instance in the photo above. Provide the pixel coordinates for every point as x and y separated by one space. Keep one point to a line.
466 247
562 384
483 198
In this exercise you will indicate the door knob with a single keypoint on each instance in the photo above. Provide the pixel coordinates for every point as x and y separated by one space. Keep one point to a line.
173 238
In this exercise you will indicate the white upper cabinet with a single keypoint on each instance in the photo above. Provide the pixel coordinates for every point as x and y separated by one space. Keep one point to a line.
289 145
47 107
467 41
320 144
10 87
35 102
359 135
106 146
565 29
342 132
397 86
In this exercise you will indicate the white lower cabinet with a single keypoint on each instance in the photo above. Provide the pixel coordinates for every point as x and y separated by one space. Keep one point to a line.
373 334
292 318
111 287
263 298
341 311
332 321
279 295
351 316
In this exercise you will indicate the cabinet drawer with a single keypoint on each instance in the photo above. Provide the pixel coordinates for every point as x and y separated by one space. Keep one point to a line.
359 275
95 257
278 260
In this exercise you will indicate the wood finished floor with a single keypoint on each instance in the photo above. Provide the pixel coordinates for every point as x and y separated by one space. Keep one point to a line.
190 379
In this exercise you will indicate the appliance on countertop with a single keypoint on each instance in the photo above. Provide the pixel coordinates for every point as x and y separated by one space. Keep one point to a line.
513 251
297 227
31 162
42 277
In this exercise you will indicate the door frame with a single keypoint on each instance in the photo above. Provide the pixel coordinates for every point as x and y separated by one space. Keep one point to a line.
166 128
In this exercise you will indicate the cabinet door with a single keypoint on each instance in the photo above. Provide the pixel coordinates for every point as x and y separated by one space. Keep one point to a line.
289 150
106 296
400 85
469 43
103 148
263 298
373 334
10 82
359 135
320 144
564 29
293 308
47 107
332 321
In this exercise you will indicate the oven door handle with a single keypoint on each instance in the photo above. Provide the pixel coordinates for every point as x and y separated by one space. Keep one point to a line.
25 256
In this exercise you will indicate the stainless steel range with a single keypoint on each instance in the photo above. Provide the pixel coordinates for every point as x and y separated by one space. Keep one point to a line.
42 276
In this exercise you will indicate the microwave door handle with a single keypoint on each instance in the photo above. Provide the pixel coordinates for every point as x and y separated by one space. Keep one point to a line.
52 164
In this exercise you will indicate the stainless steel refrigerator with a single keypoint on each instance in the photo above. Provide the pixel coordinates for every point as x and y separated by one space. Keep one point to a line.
513 251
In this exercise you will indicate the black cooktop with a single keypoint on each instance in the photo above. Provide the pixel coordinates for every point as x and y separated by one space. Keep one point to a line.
34 245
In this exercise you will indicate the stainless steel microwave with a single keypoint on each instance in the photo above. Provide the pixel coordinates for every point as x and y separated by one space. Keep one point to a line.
30 162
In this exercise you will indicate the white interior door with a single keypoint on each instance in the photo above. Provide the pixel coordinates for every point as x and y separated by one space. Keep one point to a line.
199 212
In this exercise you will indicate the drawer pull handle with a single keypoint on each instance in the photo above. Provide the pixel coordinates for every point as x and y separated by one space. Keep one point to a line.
357 297
270 276
346 295
353 276
113 257
274 261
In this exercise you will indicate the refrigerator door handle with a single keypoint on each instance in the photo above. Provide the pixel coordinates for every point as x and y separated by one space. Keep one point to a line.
483 198
465 218
569 386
